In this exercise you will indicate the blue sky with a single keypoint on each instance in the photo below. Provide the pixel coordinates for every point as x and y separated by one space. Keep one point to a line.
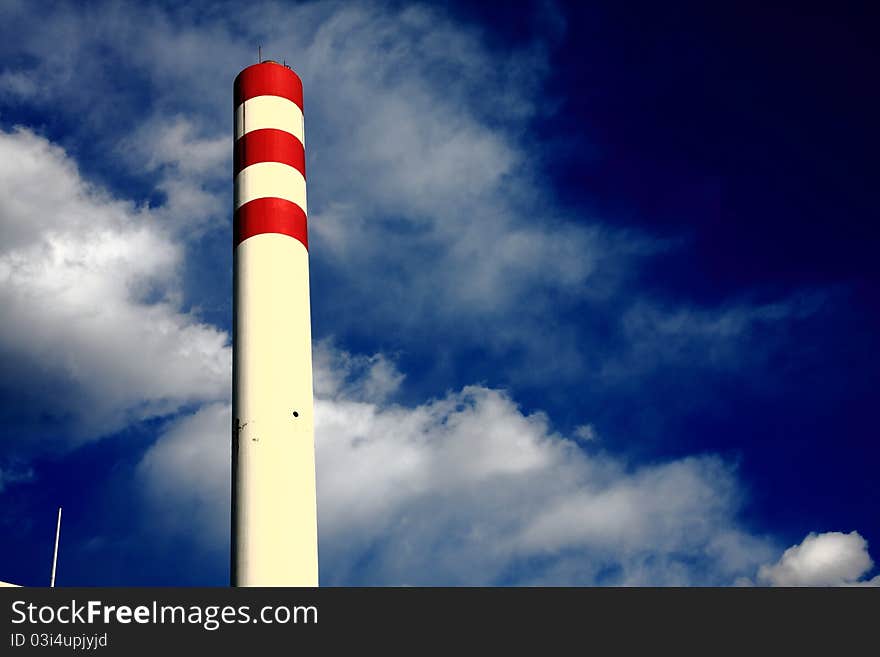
593 291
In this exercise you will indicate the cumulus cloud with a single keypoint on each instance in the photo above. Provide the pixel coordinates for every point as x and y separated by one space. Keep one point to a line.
829 559
187 472
467 489
89 289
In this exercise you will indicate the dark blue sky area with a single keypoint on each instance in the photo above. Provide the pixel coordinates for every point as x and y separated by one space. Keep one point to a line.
749 130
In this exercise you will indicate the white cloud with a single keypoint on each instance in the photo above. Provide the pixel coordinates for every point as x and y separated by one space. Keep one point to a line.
829 559
586 432
192 170
716 338
89 290
14 475
467 489
187 472
340 374
431 190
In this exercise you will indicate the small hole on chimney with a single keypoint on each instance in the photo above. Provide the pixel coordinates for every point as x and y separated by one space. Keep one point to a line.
295 414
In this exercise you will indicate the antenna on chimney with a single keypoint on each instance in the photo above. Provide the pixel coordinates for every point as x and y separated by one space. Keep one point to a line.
260 53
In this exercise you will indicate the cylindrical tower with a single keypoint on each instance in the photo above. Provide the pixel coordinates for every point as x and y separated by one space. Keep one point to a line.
274 517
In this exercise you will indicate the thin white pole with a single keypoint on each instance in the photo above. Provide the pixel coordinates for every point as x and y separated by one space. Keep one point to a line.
55 555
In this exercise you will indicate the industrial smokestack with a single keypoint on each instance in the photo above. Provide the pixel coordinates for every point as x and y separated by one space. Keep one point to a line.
274 516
